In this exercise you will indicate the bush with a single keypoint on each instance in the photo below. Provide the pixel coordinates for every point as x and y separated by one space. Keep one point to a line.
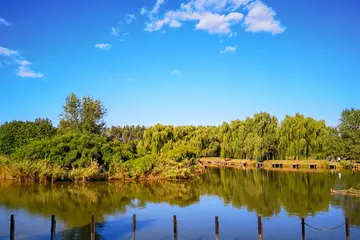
75 150
16 134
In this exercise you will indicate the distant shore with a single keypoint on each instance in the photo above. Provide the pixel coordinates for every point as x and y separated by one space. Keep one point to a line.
299 165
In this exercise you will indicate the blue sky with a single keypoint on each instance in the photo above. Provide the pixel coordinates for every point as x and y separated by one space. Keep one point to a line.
180 61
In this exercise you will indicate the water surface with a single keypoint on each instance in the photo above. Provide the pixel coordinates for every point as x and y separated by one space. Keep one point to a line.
236 196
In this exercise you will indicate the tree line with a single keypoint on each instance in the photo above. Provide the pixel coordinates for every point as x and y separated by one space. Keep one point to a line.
82 138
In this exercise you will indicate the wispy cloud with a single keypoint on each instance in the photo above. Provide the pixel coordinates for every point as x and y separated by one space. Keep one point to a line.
155 10
23 62
261 18
215 16
232 34
8 52
176 72
4 22
143 11
229 49
129 18
115 31
157 6
125 34
13 57
26 72
104 46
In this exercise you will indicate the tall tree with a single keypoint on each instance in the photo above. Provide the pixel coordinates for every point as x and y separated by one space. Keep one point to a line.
70 117
92 115
85 115
349 130
301 137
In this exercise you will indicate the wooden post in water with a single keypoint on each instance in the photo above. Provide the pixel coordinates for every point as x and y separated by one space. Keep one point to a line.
92 228
12 227
217 227
303 228
260 230
133 226
53 227
347 228
175 229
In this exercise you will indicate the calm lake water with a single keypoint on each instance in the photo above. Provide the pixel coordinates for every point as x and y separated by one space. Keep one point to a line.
236 196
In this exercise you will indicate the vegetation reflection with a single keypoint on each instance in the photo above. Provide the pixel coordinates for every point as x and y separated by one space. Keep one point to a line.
263 192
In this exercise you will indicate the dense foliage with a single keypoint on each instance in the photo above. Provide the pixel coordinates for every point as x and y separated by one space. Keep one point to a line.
17 133
82 141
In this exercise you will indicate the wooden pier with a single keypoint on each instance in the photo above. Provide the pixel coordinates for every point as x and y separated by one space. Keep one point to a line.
295 166
243 164
355 166
259 165
313 166
280 164
332 167
277 165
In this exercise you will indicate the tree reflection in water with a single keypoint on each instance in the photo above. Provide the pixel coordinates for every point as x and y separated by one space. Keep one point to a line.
263 192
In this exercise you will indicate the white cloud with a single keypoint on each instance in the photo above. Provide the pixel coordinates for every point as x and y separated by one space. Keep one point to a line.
154 10
104 46
26 72
4 22
230 49
125 34
143 11
8 52
129 18
176 72
215 16
114 31
23 62
238 3
232 34
12 57
218 24
157 6
261 19
175 24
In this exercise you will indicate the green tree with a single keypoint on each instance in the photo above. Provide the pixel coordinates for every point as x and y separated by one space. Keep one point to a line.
85 115
349 131
301 137
16 134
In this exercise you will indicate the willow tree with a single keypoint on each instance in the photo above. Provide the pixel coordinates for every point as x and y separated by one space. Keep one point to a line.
156 137
301 137
206 139
252 138
125 134
265 128
226 149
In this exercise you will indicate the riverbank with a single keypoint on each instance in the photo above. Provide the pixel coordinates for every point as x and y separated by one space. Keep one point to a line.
281 164
142 168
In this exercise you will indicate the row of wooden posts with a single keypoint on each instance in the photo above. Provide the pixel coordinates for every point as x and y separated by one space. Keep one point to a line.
175 228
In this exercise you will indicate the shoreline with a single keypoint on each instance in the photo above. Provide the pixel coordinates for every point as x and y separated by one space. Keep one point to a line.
292 165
